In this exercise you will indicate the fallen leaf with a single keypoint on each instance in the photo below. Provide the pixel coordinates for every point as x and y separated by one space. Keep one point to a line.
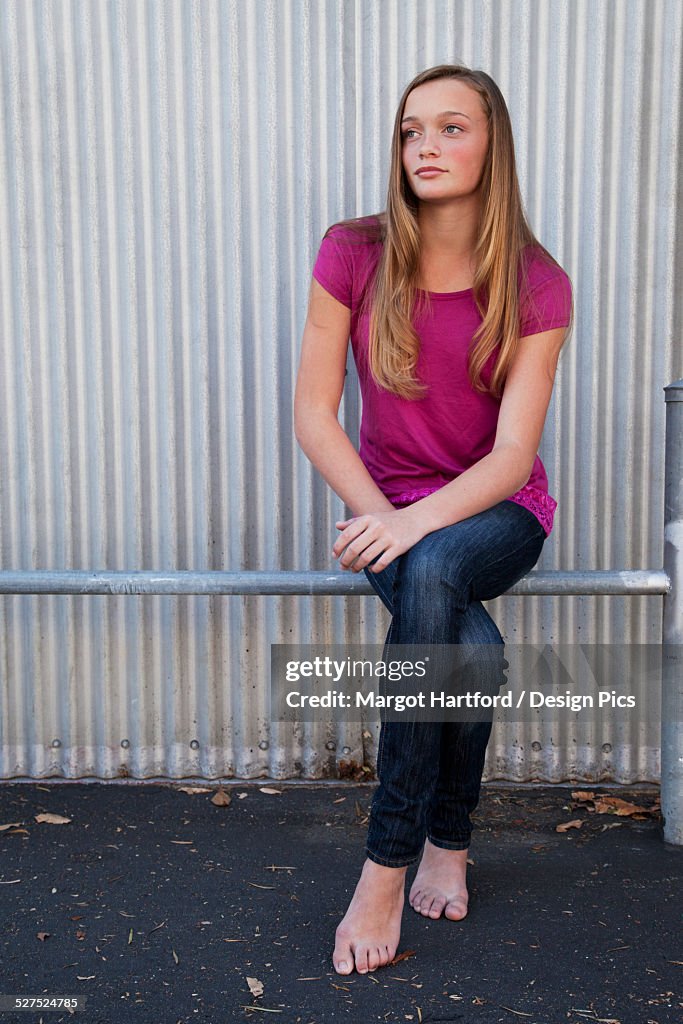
12 824
582 795
85 977
43 935
221 798
576 823
193 789
401 956
52 819
604 803
614 805
268 789
130 936
175 955
255 986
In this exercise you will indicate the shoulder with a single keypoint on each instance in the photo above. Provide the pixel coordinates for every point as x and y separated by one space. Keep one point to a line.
358 233
538 267
347 257
545 291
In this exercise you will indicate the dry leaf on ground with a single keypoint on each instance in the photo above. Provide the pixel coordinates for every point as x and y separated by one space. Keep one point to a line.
221 798
52 819
576 823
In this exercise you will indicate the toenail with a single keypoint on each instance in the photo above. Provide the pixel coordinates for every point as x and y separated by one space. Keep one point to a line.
342 965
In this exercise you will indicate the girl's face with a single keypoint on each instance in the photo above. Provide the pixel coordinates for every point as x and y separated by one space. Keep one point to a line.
444 127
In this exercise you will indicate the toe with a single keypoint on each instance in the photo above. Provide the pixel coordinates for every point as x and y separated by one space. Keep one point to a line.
361 957
342 958
426 905
373 959
436 909
456 909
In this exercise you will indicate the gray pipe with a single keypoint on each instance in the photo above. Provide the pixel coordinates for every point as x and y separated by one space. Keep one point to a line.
672 621
76 581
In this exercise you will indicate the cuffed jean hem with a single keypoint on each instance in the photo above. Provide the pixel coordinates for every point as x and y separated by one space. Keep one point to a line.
449 844
391 863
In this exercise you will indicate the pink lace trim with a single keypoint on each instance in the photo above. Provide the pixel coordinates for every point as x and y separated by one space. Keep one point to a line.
539 502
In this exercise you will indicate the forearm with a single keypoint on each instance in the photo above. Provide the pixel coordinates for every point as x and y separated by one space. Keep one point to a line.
494 477
326 444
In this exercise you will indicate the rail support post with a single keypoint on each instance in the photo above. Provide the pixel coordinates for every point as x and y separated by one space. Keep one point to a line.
672 621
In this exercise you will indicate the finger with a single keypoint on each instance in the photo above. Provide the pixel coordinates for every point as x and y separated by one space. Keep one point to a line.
353 531
355 548
377 548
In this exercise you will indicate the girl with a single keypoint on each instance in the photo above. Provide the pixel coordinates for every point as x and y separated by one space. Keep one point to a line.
457 315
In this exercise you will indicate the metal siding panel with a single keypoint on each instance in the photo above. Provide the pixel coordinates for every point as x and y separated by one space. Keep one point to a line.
168 172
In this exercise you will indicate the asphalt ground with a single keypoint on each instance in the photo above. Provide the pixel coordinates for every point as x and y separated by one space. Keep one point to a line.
157 905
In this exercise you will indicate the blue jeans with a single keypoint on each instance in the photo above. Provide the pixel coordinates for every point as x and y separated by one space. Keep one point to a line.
430 772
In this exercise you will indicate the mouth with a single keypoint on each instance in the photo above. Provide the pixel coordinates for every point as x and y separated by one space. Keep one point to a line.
430 170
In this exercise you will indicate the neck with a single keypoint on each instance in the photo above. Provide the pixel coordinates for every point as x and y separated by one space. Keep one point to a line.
448 231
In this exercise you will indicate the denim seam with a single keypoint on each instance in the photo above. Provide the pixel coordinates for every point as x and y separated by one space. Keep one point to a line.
448 844
387 863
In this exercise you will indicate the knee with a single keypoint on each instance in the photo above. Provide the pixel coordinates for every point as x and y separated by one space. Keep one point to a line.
428 573
425 577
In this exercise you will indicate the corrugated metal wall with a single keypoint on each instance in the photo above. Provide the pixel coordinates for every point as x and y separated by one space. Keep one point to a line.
167 171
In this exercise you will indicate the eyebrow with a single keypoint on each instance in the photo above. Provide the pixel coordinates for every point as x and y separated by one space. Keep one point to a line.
445 113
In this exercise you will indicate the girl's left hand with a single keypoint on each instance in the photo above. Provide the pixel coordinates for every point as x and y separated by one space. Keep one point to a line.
365 537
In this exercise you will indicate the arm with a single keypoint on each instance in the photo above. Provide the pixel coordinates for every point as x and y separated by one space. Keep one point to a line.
496 476
507 467
319 387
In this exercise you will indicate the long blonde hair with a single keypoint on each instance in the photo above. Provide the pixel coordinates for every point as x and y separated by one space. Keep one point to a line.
502 235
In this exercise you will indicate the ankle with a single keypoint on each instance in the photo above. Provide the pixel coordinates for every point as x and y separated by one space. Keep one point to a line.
380 873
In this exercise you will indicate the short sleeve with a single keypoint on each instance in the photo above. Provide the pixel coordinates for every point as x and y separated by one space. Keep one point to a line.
334 271
548 304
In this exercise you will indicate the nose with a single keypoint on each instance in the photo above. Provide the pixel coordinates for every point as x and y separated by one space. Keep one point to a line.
429 144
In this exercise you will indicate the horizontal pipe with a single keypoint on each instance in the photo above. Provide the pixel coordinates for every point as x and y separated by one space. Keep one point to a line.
75 581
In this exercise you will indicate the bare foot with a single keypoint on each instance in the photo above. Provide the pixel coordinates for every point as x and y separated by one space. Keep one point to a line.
439 885
369 933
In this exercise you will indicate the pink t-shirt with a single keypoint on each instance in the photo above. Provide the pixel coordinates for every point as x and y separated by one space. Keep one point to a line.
412 448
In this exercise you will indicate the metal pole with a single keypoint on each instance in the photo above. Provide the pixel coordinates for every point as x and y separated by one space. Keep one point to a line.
262 583
672 621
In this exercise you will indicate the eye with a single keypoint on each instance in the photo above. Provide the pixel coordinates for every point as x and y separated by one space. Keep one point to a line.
407 132
457 127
